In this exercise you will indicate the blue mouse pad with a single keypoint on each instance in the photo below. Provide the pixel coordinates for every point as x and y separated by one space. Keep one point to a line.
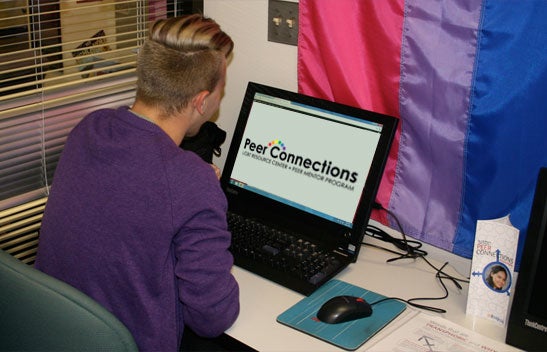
350 335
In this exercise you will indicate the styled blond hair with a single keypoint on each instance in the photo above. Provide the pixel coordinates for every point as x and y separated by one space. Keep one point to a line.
181 57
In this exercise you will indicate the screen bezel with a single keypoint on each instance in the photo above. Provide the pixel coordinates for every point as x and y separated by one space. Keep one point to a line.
518 333
348 240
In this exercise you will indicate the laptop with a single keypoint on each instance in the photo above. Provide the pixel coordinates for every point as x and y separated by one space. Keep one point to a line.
309 169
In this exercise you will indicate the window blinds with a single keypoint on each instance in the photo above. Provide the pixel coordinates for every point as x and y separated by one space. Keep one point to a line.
60 60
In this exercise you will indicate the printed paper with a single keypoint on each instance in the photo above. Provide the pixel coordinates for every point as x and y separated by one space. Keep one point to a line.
430 333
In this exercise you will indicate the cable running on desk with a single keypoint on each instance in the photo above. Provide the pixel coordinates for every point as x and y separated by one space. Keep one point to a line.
412 250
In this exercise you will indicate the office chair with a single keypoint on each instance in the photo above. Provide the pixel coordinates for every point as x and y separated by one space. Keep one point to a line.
39 312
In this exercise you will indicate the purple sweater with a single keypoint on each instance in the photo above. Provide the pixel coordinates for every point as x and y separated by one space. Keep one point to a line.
140 225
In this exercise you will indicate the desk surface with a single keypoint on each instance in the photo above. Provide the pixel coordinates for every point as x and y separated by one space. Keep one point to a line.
262 301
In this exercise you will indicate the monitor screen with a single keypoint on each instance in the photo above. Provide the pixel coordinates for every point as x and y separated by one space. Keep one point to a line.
306 157
300 159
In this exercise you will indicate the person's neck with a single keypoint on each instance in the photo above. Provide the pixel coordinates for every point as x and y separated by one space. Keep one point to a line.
174 126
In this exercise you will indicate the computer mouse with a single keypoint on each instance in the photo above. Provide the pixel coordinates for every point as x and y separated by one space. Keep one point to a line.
341 309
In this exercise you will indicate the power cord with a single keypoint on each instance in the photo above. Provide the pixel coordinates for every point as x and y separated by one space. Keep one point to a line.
412 250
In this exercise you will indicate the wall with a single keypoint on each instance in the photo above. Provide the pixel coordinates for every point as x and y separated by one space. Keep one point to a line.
254 58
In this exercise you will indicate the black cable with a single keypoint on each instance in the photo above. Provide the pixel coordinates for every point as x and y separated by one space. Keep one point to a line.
411 247
422 254
411 301
412 251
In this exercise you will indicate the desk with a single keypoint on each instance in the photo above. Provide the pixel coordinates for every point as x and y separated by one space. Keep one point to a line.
262 301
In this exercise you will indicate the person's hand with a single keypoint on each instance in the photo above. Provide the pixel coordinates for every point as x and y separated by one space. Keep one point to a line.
217 170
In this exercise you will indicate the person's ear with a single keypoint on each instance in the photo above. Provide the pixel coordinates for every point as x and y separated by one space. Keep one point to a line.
200 101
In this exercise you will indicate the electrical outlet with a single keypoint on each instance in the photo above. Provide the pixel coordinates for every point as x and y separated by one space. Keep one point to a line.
283 22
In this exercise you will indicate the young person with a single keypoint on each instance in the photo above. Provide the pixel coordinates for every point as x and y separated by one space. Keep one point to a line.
133 220
497 278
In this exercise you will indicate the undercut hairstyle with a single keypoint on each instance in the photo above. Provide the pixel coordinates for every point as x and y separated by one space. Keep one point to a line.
181 57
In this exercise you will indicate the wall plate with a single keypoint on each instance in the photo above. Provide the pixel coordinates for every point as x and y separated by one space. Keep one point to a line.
283 22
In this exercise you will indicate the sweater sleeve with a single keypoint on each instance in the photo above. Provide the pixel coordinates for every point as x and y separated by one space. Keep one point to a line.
207 290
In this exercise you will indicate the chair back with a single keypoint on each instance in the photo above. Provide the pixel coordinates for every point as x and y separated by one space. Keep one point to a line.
39 312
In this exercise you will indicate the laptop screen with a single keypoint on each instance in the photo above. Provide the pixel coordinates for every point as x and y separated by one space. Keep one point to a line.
307 155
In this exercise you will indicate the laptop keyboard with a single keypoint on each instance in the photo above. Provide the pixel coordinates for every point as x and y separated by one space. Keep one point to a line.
285 254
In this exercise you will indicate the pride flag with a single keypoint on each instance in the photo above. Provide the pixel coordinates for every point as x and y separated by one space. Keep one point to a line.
468 81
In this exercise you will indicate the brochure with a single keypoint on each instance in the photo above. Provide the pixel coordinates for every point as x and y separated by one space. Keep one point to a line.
492 270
